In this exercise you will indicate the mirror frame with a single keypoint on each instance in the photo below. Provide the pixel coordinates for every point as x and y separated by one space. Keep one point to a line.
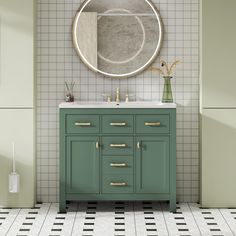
118 76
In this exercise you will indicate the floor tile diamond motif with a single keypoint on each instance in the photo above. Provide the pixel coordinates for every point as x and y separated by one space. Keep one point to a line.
118 219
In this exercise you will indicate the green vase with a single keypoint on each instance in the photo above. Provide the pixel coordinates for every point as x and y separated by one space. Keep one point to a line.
167 96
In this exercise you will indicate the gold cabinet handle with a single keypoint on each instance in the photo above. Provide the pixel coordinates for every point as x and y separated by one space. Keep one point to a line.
118 124
139 145
118 184
118 164
118 145
152 123
82 124
97 145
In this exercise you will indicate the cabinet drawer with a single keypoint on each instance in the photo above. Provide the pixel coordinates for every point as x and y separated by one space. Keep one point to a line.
117 145
117 184
117 124
152 124
82 124
117 165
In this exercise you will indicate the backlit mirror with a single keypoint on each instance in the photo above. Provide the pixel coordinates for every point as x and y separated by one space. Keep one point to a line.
117 38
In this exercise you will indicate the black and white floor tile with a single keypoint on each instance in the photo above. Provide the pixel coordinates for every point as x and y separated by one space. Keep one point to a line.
117 219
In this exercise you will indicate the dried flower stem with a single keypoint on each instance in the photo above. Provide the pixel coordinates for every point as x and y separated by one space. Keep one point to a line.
165 65
67 86
168 70
70 86
173 67
157 70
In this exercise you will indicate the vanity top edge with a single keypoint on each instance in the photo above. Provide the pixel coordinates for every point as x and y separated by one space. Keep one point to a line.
114 105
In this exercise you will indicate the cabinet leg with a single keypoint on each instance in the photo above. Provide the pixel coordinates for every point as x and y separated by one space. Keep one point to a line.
172 206
62 206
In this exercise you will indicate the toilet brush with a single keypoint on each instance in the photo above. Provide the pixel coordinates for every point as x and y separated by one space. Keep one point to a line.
14 178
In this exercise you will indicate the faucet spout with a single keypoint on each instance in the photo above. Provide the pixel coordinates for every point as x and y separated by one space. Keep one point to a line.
117 95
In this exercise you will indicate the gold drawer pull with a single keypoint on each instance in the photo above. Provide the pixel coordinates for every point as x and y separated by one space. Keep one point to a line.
139 145
97 145
116 184
82 124
118 145
152 123
118 164
118 124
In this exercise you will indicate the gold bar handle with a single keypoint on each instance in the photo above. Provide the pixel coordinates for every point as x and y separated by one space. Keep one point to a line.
82 124
118 124
152 123
118 164
97 145
118 145
139 145
117 184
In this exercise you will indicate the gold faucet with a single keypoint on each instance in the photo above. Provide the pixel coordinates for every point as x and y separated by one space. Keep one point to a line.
117 95
107 96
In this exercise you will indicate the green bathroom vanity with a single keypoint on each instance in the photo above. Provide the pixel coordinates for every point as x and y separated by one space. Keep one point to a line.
112 151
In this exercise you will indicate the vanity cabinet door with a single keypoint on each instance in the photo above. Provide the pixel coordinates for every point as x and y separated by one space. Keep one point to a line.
152 164
82 164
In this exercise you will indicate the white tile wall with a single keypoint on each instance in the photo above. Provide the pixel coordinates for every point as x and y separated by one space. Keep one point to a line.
58 62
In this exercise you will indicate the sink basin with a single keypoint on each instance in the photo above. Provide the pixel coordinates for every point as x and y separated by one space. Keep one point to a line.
153 104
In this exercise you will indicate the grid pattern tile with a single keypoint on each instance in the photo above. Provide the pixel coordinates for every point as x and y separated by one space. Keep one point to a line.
118 219
57 62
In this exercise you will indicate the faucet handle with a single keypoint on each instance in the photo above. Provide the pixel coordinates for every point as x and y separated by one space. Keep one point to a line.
127 97
107 96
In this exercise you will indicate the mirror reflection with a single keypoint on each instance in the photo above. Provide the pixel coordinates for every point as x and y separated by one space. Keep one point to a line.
117 38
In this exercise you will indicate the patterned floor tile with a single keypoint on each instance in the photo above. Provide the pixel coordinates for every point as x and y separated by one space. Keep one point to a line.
230 218
149 219
118 219
7 218
210 221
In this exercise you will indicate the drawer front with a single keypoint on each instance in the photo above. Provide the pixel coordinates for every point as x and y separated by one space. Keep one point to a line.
117 184
152 124
116 124
82 124
117 145
122 165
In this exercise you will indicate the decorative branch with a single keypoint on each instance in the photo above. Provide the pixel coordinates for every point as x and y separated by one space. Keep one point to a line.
67 86
70 86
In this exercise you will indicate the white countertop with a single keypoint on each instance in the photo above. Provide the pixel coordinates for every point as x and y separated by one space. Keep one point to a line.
91 104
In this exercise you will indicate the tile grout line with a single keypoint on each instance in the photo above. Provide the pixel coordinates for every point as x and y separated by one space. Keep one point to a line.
194 219
45 218
162 214
164 219
13 222
135 228
226 221
77 208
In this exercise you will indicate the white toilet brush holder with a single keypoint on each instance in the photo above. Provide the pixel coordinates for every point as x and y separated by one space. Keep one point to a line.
14 177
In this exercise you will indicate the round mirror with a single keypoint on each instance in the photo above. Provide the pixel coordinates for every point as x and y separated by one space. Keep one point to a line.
118 39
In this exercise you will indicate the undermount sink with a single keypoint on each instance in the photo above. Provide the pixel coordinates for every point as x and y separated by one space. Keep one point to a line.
154 104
